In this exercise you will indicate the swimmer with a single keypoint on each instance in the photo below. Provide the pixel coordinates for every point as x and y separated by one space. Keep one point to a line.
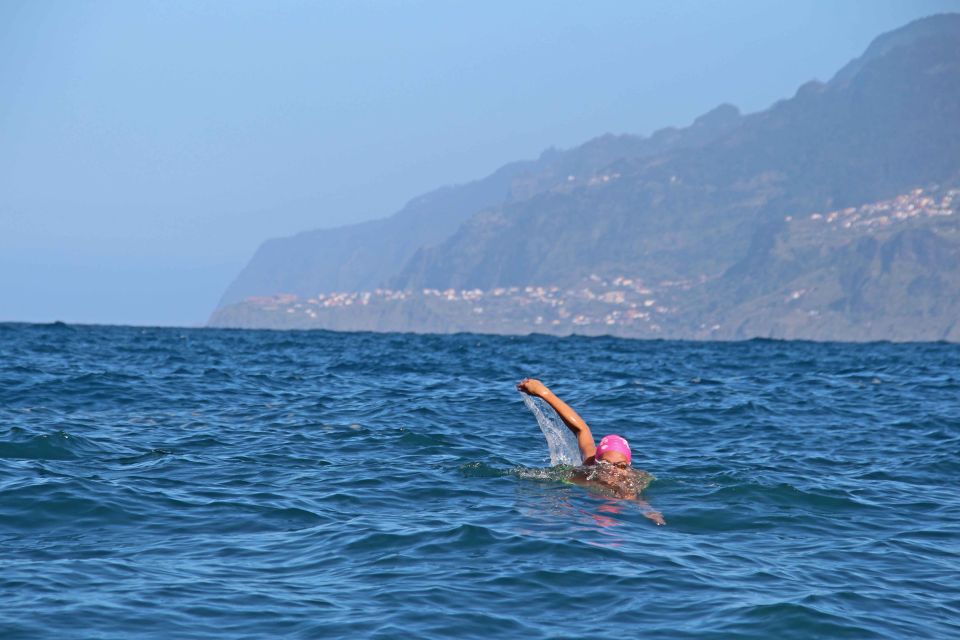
607 465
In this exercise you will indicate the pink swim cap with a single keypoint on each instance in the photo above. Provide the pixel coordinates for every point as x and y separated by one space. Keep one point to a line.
613 443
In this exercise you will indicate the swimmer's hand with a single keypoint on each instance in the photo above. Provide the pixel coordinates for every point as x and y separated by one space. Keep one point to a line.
533 387
656 516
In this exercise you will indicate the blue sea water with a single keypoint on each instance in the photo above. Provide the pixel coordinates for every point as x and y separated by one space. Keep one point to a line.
170 483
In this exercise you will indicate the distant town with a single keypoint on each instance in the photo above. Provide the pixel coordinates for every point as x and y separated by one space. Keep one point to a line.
620 300
889 212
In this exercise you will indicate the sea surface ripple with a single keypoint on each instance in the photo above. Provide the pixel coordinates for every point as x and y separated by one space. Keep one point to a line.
173 483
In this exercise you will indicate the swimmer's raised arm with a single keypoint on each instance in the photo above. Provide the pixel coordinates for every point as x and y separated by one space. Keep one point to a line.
576 424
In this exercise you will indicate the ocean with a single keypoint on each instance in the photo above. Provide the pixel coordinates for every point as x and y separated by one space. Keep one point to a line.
195 483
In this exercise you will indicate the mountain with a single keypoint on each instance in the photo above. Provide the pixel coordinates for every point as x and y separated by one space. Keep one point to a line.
719 228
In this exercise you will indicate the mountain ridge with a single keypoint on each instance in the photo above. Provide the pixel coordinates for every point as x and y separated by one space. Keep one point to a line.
717 203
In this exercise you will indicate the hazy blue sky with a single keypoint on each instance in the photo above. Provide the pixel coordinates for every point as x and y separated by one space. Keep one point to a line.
147 148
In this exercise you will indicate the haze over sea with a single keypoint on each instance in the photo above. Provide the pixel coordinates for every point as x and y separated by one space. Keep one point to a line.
172 483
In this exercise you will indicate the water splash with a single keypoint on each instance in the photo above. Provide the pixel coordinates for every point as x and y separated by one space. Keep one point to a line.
559 473
560 440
